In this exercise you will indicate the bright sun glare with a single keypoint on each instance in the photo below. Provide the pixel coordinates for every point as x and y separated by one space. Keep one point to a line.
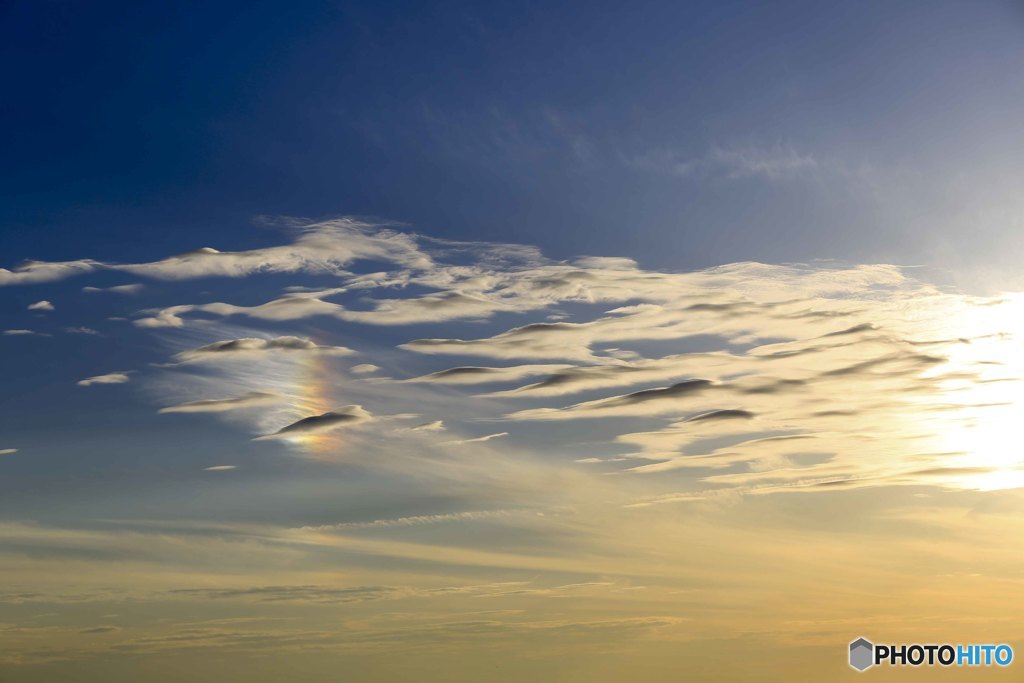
983 380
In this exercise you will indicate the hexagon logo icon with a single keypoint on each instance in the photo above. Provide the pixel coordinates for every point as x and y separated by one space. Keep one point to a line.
862 654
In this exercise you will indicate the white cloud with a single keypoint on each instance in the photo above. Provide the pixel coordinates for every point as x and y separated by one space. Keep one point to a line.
479 439
735 370
41 306
110 378
33 272
323 247
118 289
364 369
8 451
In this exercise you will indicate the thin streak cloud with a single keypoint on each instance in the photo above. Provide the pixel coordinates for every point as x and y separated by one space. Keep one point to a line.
109 378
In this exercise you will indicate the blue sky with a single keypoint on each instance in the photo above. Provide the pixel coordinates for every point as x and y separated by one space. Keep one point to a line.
687 133
656 340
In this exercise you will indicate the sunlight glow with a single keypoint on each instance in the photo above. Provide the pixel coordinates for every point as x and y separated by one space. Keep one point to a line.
982 435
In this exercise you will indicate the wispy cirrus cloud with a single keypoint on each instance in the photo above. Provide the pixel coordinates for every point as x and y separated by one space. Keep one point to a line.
781 347
774 162
81 329
248 400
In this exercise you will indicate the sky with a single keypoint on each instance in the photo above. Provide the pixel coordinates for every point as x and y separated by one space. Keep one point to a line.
540 341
